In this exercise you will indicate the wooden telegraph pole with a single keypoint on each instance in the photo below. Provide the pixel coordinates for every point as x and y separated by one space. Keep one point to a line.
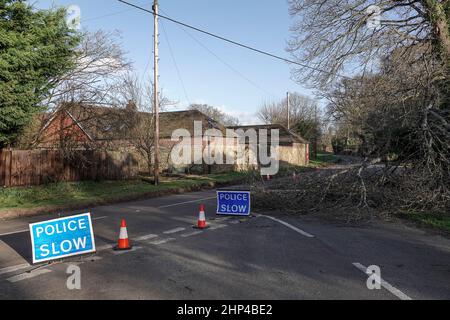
155 90
288 112
316 134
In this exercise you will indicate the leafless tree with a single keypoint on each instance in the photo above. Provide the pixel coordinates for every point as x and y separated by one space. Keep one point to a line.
99 68
393 114
100 64
304 113
139 114
388 84
333 36
216 114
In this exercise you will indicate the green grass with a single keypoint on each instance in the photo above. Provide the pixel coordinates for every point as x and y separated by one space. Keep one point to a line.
435 221
88 192
323 160
73 194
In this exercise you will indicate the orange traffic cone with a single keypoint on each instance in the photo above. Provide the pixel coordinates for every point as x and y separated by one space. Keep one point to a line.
201 223
124 243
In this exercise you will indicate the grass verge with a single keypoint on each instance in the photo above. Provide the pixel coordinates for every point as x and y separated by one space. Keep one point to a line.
439 222
323 160
54 197
71 195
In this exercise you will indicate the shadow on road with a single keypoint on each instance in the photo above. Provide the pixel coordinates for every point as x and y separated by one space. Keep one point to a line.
21 243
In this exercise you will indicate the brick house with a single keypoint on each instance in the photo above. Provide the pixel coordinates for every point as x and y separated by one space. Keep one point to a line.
292 149
112 129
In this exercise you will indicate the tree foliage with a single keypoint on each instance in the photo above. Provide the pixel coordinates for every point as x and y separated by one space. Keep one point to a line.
36 47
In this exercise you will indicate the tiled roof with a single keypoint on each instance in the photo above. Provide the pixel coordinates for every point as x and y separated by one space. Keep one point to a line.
107 123
286 135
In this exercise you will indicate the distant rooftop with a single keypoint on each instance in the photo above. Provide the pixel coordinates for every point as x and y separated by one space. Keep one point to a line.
286 136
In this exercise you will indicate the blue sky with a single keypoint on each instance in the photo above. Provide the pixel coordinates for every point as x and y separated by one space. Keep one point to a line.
237 80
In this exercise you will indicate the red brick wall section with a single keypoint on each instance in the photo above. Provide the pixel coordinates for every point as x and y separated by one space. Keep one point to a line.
62 126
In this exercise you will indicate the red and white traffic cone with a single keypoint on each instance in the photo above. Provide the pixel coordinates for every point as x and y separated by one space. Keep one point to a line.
123 243
201 223
268 177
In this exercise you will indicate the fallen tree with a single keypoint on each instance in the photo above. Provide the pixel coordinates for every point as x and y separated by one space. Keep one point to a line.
396 103
350 193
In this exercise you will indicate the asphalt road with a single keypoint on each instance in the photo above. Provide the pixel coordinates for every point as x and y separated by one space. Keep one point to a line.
269 256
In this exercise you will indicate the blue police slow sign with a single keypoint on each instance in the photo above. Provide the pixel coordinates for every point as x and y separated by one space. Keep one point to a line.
236 203
60 238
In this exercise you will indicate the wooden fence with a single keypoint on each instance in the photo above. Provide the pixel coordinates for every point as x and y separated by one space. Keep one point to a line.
35 167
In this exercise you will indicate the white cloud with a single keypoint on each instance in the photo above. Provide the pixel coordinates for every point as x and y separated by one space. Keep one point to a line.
245 118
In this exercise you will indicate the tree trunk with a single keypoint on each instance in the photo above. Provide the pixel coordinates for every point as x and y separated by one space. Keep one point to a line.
149 164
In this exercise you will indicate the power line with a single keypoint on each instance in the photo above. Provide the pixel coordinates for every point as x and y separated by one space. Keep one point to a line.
146 67
109 14
232 41
227 64
105 16
175 64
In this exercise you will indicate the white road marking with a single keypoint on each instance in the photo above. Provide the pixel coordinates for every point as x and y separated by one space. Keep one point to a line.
191 234
217 226
187 220
27 265
14 232
99 218
192 221
146 237
174 230
222 219
157 242
186 202
27 230
14 268
213 224
28 275
235 222
384 284
105 247
84 260
126 251
303 233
